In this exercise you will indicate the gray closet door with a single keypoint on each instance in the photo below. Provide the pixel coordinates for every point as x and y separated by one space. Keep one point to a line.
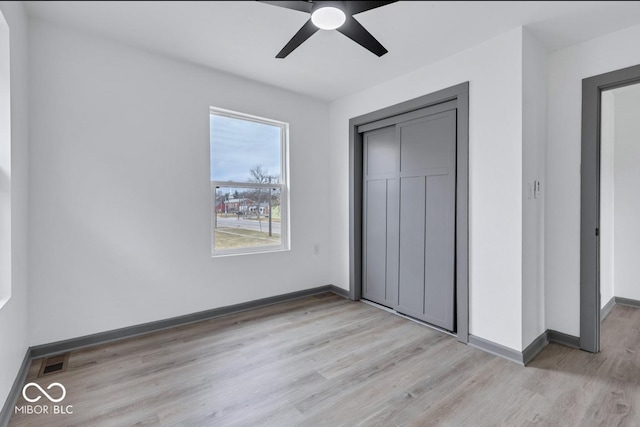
409 217
380 219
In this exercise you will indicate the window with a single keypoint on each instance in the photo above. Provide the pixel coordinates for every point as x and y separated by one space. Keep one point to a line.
249 186
5 164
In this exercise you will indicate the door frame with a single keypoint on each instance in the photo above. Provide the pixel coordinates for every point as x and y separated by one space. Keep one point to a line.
460 93
592 89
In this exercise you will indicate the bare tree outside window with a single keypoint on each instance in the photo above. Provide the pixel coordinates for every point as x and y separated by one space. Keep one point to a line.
261 175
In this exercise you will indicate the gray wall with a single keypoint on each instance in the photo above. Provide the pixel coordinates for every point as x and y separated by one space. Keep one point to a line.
13 315
120 213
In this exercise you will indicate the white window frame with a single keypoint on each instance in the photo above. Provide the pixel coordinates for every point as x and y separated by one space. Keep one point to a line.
282 185
6 280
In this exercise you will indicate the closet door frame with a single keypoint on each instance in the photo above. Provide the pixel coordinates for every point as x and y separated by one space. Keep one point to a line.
357 125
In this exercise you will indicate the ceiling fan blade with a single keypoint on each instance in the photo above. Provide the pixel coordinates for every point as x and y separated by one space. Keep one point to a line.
302 6
354 7
307 30
356 32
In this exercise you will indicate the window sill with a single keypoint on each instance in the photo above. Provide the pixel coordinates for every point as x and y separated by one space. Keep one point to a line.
260 251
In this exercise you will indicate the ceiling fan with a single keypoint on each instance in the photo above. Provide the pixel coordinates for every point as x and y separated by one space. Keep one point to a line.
332 15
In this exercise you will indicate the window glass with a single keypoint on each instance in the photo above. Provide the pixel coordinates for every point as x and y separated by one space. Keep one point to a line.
239 146
249 188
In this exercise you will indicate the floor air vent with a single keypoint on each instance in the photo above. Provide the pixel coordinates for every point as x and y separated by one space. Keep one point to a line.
54 364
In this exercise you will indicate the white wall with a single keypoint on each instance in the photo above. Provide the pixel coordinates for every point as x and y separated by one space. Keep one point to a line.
13 315
627 194
494 70
120 188
607 197
534 122
567 68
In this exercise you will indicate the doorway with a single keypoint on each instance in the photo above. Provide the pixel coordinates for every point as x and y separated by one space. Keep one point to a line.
385 267
595 172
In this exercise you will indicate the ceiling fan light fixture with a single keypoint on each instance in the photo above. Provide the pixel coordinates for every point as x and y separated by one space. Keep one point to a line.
328 18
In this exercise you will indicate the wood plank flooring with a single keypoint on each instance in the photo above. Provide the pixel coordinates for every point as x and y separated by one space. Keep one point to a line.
327 361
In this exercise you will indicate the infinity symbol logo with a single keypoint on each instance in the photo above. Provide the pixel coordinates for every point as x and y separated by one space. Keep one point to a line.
24 392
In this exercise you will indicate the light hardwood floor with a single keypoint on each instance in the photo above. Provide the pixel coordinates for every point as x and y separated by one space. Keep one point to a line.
327 361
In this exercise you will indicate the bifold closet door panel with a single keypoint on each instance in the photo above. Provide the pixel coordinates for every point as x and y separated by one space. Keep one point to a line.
380 216
427 218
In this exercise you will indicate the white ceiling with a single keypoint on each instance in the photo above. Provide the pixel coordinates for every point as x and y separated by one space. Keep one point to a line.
243 37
